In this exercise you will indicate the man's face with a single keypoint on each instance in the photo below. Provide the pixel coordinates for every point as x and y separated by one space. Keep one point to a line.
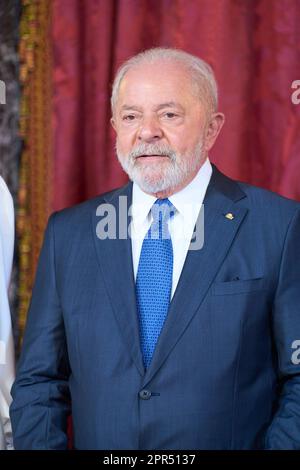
161 127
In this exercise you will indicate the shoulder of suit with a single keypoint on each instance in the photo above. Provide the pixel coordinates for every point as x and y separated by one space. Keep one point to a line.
262 202
261 196
271 209
80 212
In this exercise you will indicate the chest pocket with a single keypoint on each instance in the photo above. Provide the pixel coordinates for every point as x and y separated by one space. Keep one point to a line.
239 286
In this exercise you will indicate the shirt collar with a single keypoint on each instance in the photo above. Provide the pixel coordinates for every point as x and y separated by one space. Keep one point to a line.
192 194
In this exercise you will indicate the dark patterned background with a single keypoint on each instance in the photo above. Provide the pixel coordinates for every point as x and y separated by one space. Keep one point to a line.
9 141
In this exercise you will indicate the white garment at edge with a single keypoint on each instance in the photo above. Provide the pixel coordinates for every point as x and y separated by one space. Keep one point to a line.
7 369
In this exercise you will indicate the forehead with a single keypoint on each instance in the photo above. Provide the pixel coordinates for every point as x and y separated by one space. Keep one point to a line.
171 82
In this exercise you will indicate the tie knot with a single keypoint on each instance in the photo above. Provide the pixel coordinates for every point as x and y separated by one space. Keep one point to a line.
162 210
161 202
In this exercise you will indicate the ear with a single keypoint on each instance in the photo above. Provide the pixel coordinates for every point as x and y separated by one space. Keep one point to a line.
214 126
113 123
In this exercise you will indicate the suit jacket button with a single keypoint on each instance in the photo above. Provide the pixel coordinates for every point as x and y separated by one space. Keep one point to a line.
145 394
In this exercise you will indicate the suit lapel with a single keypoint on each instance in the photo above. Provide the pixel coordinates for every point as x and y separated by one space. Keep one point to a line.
201 266
115 260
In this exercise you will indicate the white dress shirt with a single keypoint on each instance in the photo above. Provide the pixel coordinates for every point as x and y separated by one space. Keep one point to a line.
187 203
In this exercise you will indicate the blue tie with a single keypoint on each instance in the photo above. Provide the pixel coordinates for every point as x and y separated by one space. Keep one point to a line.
154 278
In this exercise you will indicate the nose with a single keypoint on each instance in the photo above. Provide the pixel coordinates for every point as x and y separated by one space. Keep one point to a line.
150 130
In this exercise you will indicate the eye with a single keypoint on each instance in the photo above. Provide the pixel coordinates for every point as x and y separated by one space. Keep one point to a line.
170 115
128 117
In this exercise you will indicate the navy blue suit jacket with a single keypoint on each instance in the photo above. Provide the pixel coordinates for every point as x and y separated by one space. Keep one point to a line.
225 373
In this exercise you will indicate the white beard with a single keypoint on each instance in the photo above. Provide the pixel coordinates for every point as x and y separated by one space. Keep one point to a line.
165 176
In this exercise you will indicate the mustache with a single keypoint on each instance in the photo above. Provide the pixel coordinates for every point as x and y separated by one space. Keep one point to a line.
152 149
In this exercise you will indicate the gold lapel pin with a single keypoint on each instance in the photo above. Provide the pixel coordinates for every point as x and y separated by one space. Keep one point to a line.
229 216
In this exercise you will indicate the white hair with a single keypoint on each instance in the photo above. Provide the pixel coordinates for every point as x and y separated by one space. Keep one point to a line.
201 73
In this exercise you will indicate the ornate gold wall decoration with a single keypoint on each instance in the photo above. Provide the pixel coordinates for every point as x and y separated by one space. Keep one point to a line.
35 129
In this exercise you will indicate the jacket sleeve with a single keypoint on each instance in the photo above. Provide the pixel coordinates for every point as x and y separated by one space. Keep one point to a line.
284 431
41 398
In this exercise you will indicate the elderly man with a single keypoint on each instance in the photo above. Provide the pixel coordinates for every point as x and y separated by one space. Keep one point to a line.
153 341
